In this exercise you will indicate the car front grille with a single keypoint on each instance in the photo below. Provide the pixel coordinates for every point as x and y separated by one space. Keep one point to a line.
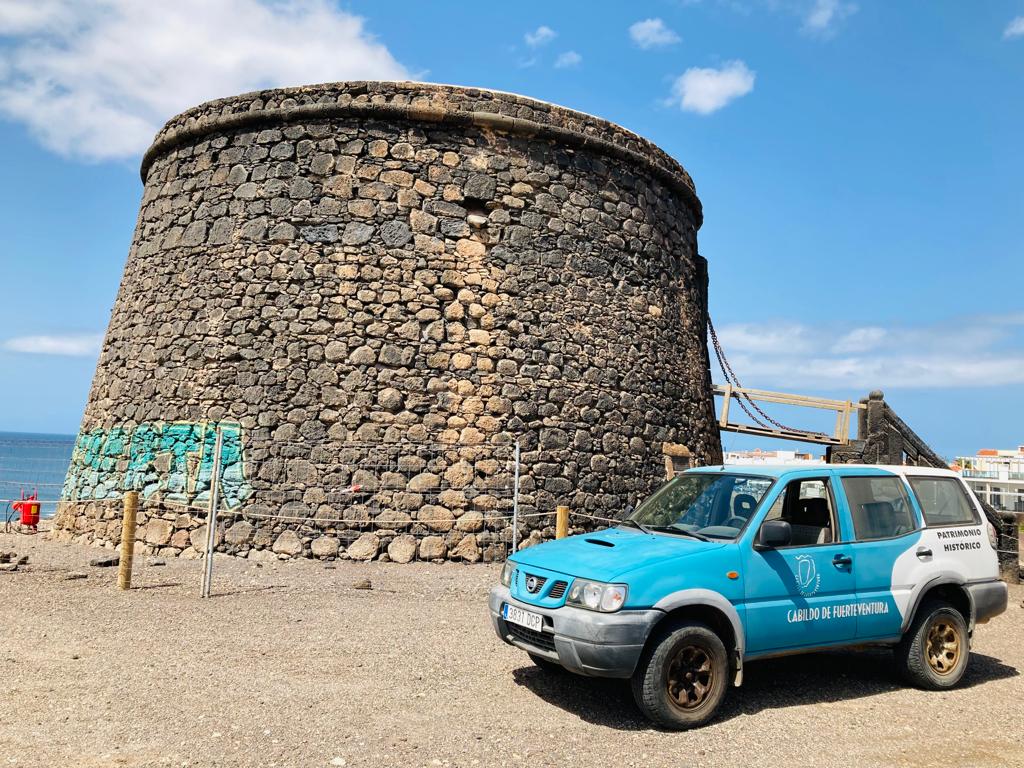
541 581
558 590
536 639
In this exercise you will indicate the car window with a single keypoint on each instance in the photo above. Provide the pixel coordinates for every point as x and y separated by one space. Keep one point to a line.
943 501
807 506
714 504
745 495
879 507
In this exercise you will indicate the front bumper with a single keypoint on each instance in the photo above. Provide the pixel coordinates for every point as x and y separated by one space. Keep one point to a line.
586 642
989 599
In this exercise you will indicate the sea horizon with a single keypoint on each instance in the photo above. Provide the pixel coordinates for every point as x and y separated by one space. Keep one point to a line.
34 435
33 462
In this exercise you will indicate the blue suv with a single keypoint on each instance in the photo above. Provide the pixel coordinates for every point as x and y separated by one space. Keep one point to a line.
726 564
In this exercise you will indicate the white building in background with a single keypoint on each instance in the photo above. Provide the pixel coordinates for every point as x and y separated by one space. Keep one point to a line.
996 477
757 456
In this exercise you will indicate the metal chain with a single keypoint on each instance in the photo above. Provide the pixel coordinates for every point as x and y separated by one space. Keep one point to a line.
731 378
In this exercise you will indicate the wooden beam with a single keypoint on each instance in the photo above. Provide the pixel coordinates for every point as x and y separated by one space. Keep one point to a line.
786 398
780 434
844 410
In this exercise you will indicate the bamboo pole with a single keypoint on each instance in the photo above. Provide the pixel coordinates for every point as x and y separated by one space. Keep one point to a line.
131 509
561 522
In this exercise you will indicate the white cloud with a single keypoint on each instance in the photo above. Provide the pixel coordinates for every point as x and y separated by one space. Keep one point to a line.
706 90
1015 28
762 338
72 345
860 340
824 16
20 17
969 352
96 79
652 33
540 36
568 59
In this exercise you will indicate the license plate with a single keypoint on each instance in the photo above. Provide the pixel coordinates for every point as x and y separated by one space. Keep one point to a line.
523 618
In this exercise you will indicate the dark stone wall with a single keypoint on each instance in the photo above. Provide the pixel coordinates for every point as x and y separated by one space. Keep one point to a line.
401 262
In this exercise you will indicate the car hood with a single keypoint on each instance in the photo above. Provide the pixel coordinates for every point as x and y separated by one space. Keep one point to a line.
606 555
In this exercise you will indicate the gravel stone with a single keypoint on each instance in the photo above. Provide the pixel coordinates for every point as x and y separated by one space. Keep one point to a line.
365 547
324 546
239 534
402 549
288 543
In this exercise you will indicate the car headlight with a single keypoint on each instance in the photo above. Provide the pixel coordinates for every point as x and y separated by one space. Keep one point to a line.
597 596
506 573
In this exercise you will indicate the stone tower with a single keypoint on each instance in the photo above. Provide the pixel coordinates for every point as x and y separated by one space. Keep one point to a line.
370 262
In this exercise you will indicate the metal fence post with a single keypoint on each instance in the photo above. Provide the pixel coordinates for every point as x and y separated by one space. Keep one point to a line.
211 516
515 504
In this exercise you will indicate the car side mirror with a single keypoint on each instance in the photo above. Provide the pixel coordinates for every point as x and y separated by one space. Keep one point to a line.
774 533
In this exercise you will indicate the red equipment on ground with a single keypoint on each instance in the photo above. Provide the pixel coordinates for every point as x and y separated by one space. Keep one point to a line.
28 508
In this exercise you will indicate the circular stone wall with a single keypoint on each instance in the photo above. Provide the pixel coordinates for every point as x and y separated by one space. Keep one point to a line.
396 262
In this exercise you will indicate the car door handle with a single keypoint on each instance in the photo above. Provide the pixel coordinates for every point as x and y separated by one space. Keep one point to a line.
839 561
923 552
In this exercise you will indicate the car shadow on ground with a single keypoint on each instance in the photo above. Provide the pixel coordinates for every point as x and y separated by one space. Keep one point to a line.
770 684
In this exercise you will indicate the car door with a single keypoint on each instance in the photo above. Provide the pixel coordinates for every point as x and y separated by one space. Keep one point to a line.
794 594
886 546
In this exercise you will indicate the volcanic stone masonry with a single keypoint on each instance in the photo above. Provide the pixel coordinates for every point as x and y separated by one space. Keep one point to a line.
337 270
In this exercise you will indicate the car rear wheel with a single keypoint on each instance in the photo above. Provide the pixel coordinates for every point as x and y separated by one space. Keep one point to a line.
682 678
934 652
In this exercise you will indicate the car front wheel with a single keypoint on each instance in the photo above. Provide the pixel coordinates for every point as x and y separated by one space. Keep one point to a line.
934 652
682 678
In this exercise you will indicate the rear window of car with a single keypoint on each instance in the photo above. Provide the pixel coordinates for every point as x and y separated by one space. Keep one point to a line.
943 501
879 506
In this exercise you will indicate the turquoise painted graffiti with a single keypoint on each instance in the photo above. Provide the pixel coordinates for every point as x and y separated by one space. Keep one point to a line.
174 460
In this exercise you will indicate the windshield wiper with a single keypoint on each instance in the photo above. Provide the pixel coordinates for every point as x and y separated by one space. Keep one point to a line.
680 531
631 521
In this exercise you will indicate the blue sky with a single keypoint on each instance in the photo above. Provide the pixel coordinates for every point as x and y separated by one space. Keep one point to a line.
860 166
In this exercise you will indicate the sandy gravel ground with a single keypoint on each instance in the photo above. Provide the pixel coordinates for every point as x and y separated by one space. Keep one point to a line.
288 665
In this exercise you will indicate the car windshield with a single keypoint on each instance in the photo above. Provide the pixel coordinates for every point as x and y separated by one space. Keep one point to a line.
702 504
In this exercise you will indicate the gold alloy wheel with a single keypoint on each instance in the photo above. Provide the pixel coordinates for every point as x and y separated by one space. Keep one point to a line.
690 677
943 646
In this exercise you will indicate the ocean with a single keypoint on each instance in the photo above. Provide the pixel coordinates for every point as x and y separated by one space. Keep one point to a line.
33 463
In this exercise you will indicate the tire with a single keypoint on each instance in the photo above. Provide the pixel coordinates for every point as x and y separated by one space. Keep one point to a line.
661 687
546 664
934 652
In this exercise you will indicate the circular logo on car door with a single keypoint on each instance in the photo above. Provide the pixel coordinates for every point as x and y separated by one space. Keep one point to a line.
531 584
807 577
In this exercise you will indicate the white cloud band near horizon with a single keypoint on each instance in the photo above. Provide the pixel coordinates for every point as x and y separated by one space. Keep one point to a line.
96 79
975 352
68 345
705 90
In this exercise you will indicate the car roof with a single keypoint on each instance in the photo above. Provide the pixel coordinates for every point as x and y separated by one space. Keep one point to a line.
780 470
